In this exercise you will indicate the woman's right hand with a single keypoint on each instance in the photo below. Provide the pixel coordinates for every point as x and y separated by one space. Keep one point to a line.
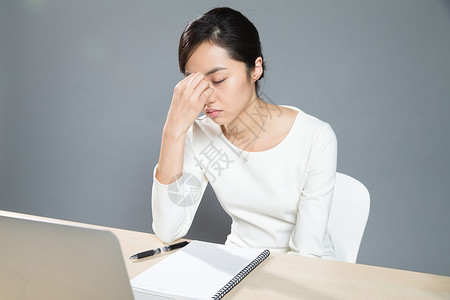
189 97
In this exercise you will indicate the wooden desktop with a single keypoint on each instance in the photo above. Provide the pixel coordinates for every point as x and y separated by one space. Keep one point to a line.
284 276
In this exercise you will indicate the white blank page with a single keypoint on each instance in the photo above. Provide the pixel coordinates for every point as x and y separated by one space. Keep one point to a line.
197 271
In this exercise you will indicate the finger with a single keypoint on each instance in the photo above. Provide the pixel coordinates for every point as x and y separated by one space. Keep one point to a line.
182 84
204 98
195 80
206 95
201 87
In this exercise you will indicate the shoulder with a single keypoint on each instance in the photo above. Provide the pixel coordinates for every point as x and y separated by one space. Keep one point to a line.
307 121
311 128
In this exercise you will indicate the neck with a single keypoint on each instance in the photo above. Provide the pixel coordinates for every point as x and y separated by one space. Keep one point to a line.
248 125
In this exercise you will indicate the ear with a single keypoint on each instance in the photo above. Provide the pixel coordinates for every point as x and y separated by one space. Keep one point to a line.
257 70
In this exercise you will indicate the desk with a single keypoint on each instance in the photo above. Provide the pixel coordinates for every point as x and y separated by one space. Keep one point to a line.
284 276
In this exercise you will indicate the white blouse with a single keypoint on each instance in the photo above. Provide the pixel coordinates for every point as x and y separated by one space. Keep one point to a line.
278 199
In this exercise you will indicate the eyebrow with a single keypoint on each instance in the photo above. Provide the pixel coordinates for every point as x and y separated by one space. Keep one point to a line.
212 71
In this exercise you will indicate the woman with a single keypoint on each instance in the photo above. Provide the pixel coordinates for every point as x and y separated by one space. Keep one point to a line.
272 167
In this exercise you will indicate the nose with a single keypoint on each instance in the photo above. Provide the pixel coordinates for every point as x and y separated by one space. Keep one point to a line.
212 98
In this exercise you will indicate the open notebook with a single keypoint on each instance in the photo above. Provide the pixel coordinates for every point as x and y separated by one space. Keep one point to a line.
200 270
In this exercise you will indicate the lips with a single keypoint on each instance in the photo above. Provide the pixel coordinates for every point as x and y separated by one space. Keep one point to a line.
213 113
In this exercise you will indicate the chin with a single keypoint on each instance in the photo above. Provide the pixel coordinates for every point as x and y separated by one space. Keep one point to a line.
218 121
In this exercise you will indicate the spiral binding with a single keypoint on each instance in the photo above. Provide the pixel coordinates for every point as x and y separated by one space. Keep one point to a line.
241 275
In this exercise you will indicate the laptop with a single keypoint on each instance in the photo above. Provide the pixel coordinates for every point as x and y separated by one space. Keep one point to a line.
41 260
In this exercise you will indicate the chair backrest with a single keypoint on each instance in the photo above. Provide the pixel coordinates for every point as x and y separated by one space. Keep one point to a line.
348 216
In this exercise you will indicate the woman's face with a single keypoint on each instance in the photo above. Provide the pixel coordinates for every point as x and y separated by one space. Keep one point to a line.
233 89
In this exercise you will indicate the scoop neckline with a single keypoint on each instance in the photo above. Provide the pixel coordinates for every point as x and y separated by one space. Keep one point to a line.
277 145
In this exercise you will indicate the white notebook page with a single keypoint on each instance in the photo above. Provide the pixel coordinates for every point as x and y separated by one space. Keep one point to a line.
197 271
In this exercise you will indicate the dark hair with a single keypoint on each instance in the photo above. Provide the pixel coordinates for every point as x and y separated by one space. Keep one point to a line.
226 28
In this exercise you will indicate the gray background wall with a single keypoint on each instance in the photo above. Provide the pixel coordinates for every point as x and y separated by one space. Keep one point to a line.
85 87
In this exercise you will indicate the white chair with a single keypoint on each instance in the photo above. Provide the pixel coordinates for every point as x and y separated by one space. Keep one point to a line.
348 217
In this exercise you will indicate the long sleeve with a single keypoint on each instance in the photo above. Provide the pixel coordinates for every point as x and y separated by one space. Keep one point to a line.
310 230
174 205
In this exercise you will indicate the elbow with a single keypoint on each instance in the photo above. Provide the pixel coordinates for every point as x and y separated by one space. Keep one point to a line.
167 236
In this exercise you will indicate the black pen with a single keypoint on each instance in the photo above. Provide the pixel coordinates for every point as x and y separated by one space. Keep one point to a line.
159 250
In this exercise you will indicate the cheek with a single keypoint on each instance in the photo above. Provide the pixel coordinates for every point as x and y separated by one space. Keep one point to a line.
236 89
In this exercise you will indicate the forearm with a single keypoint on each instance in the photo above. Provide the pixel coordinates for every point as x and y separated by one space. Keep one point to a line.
174 205
170 221
171 157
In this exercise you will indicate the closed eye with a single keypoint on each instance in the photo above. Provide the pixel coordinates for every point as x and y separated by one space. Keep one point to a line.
217 82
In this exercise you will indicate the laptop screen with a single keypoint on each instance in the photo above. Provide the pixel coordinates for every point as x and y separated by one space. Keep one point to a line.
40 260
